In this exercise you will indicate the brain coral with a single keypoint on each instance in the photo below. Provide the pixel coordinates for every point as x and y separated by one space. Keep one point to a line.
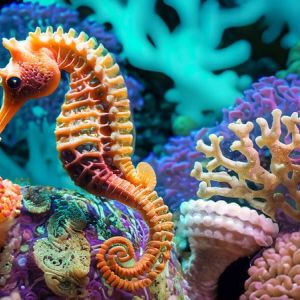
179 154
276 274
51 249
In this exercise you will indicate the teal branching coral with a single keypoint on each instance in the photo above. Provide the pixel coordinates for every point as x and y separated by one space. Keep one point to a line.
189 54
191 51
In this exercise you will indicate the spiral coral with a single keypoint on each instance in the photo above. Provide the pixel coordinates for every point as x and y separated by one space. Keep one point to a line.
276 274
10 204
220 233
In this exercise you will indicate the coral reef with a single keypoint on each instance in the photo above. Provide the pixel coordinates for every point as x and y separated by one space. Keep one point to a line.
10 204
200 30
60 223
196 34
266 189
219 233
275 275
179 154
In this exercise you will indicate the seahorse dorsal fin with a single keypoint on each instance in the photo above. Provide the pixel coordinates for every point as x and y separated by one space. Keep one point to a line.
146 174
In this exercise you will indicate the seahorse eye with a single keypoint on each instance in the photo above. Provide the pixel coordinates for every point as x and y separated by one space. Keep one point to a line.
13 82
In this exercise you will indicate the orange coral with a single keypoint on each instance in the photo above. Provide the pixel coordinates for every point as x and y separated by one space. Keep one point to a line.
264 192
10 204
94 139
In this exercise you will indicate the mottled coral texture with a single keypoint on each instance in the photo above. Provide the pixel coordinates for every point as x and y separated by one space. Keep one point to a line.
179 154
51 249
276 274
10 205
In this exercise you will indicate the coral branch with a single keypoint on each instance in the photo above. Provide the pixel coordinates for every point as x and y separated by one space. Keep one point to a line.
264 188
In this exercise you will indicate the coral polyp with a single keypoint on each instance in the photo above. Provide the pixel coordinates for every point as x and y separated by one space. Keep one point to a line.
275 275
219 233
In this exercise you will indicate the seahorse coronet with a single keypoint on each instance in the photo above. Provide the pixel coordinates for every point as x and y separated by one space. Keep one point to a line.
95 144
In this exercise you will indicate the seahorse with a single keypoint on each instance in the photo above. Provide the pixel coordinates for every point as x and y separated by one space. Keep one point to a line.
94 139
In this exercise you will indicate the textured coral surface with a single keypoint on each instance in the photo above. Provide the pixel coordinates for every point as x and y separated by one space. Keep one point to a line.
276 274
51 250
219 233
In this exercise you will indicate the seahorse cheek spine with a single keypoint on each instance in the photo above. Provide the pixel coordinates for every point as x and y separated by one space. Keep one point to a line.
94 141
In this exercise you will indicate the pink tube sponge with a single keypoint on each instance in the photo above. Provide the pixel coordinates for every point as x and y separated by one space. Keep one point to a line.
276 275
10 204
218 234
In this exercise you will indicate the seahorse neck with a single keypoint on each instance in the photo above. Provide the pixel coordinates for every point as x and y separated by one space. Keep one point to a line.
95 116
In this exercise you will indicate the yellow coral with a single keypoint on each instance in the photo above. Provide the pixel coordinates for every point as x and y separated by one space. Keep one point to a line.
263 194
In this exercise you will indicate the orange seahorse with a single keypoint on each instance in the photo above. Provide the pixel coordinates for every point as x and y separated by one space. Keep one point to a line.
94 140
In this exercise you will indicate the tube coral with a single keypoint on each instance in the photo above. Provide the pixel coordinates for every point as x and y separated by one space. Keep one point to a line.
276 274
10 204
265 188
218 234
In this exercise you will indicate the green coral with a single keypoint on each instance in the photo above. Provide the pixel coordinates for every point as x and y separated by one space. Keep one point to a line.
36 201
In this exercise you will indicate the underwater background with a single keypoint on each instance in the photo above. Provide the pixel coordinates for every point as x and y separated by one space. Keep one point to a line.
191 68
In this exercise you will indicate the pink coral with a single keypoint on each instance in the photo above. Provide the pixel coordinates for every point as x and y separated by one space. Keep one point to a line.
276 274
220 233
10 204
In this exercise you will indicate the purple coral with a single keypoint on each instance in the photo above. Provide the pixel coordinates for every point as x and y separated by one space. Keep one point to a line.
173 169
57 224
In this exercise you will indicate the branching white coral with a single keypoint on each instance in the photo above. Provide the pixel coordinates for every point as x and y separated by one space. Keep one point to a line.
266 192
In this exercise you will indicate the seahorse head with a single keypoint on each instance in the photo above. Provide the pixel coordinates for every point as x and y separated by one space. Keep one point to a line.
31 73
